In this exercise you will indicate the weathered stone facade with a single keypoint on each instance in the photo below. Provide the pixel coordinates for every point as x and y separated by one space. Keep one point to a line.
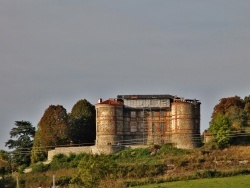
148 119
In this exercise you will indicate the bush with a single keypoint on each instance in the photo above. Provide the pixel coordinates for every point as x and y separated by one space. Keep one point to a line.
93 168
62 161
8 181
74 161
39 167
208 174
59 161
170 150
21 169
63 180
131 155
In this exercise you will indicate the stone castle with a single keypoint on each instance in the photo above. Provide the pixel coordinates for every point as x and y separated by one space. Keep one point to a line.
136 120
148 119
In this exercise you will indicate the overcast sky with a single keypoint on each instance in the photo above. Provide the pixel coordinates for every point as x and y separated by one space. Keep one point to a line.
61 51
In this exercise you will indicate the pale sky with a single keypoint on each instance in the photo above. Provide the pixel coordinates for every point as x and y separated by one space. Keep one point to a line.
61 51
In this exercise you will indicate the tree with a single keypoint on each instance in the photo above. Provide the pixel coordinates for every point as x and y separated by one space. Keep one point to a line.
237 117
23 132
233 109
82 123
229 116
247 108
220 127
53 130
226 103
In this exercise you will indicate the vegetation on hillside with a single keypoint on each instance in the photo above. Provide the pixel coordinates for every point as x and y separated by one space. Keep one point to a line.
132 167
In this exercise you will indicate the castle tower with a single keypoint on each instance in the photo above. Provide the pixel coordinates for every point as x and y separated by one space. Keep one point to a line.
186 123
109 122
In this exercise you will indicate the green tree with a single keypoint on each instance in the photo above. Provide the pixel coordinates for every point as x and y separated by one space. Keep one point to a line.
82 123
247 108
230 115
94 168
23 132
53 130
39 151
220 127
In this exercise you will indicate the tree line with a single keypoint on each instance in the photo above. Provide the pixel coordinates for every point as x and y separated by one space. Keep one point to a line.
59 128
55 128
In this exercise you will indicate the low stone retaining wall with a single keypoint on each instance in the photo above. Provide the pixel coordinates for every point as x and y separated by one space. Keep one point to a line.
68 151
105 149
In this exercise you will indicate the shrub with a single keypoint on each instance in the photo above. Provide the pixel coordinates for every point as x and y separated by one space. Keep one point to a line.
39 167
131 155
208 174
8 181
93 168
173 150
63 180
59 161
21 169
75 161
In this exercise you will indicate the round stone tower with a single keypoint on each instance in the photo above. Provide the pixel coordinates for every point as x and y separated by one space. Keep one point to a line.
186 124
109 122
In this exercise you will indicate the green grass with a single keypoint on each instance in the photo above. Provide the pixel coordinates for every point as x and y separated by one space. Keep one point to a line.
241 181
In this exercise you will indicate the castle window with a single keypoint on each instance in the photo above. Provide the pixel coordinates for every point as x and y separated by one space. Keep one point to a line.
153 127
133 127
152 114
162 113
162 125
141 113
142 126
133 114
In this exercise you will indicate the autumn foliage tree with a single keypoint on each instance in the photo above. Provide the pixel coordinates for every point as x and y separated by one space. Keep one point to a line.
229 116
82 123
233 109
53 130
247 108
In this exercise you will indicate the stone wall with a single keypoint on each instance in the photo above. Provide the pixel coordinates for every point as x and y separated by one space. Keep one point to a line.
84 149
68 150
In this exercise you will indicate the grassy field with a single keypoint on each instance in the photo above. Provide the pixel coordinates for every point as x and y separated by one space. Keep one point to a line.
242 181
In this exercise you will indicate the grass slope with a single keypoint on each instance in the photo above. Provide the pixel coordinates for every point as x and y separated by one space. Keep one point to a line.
142 166
241 181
